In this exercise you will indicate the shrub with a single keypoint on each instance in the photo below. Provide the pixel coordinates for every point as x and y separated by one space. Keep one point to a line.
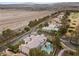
37 52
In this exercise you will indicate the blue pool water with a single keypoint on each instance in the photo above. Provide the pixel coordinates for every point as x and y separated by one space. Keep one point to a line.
47 47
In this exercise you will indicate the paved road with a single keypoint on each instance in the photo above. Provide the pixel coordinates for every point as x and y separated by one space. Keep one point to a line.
68 44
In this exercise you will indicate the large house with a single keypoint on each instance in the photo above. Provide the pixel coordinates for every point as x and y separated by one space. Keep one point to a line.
32 41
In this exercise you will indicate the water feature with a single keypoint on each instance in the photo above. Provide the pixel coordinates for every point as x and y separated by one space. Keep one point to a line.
47 47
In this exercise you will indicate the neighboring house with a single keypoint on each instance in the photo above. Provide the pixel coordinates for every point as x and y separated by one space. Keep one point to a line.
55 23
59 17
52 27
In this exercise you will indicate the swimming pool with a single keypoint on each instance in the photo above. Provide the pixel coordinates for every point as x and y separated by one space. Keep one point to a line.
47 47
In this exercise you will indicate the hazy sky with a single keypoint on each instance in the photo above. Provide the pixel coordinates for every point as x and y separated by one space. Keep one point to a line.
37 1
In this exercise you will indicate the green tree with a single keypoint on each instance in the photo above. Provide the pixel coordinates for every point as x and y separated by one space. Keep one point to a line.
57 37
37 52
26 29
46 24
8 33
41 25
14 49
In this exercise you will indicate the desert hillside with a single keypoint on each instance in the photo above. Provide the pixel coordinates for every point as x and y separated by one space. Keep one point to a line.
17 18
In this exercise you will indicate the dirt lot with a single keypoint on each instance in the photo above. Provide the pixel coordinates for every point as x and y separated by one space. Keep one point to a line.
17 18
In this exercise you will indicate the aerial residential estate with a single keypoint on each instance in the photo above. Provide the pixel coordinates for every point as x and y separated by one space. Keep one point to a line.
39 29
